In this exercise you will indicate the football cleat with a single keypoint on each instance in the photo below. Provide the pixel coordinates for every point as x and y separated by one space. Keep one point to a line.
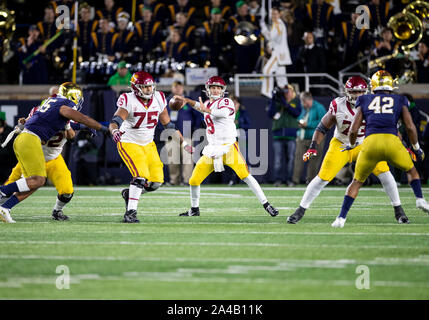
125 195
5 215
422 204
59 215
191 212
400 215
270 209
338 223
131 217
296 216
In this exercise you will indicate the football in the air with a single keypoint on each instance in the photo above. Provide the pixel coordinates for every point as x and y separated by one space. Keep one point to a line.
175 104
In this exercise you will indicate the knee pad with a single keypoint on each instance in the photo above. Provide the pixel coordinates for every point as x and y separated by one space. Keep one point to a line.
65 197
139 182
152 186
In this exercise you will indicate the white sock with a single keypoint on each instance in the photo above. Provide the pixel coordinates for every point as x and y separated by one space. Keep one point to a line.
313 190
22 185
59 205
195 196
256 188
134 196
390 187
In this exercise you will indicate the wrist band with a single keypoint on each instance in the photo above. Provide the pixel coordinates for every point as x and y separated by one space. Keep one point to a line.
184 143
196 105
68 126
416 146
313 144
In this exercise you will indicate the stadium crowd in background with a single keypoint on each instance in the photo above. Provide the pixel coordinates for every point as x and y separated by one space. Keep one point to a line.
202 32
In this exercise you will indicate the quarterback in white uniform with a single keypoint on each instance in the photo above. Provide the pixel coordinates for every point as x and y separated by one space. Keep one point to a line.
341 114
222 148
56 169
132 128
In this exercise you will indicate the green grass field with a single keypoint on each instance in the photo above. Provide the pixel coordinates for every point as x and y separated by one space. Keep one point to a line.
235 250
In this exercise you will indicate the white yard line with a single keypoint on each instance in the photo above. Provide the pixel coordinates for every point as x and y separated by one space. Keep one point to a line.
205 244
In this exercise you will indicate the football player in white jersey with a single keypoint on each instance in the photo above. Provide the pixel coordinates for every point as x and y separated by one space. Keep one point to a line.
132 128
341 114
56 169
222 148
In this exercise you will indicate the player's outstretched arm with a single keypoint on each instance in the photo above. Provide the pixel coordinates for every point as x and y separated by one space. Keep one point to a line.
197 105
72 114
327 122
356 124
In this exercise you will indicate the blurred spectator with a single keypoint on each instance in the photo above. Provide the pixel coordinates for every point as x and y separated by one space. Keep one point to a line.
295 32
224 9
103 41
125 39
85 27
378 15
386 45
180 163
284 109
33 71
7 155
354 41
311 56
109 12
181 6
255 8
158 9
245 56
214 39
279 50
47 27
423 63
319 19
69 3
149 34
174 47
185 28
311 114
121 77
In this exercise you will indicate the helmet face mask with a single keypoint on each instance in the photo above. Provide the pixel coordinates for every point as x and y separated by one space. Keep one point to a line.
355 87
140 82
215 82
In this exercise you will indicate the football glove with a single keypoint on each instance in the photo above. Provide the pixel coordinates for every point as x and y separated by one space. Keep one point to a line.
188 148
116 135
420 155
412 154
310 153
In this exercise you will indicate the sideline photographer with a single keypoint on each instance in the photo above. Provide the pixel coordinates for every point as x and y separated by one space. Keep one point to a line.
284 109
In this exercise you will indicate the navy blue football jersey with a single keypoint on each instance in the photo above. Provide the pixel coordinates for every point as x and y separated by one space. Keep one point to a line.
381 112
47 120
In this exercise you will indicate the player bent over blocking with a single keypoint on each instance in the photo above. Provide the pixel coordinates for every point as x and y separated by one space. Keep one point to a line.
132 128
50 118
222 148
341 114
381 111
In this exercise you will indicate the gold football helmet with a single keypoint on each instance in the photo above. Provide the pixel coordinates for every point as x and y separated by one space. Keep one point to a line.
73 92
382 80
